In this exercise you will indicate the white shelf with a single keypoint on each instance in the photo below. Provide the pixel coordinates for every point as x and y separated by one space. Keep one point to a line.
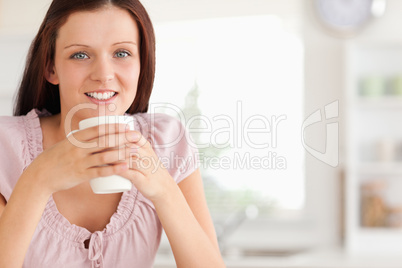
380 168
372 120
378 232
384 102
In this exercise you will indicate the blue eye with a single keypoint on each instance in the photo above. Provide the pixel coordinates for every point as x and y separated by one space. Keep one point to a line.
79 56
122 54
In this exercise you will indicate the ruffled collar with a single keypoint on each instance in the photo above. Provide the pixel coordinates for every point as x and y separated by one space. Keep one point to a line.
51 216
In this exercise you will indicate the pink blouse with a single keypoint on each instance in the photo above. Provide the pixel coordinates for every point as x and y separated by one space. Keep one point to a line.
132 236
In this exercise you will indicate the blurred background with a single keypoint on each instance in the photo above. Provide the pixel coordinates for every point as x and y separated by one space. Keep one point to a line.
294 106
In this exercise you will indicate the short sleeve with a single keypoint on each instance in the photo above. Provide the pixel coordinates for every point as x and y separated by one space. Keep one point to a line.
172 143
12 157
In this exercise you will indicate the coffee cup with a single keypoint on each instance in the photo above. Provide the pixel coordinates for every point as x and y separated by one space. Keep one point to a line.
114 183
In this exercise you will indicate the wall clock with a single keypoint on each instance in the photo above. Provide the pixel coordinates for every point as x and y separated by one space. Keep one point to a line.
347 17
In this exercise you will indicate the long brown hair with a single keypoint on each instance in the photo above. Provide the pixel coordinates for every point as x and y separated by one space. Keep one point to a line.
36 92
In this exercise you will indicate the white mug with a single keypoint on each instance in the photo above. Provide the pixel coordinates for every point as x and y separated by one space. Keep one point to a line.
114 183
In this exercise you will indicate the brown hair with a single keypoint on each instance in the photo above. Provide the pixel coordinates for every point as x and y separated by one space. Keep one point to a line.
36 92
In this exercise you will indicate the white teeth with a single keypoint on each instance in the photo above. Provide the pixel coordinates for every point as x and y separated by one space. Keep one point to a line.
100 95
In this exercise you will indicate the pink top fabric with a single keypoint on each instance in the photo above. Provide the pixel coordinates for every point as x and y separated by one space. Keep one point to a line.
132 236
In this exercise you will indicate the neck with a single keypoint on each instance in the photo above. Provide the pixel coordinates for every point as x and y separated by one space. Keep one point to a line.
66 125
52 130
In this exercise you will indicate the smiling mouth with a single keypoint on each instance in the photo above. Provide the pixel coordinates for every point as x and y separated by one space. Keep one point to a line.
102 96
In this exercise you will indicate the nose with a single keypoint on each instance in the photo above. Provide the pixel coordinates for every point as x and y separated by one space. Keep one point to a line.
102 70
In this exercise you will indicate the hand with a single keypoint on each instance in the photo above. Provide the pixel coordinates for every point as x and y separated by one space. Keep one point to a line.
147 172
86 154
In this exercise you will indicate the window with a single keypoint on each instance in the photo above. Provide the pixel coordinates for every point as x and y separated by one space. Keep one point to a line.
237 85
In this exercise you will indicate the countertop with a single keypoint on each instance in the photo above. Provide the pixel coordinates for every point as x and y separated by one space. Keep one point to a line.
325 258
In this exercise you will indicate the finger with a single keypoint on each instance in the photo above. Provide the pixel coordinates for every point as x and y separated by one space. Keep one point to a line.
144 164
134 175
80 138
109 157
91 133
113 140
104 171
135 162
138 140
138 179
109 140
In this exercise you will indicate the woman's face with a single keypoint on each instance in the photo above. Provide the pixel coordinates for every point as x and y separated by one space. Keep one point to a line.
97 62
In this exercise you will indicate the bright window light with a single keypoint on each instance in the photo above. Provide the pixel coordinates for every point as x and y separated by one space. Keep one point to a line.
243 78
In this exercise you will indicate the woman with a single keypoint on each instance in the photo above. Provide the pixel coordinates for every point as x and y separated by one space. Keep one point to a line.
93 58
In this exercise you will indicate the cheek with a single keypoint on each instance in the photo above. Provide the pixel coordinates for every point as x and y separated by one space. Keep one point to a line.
131 76
134 71
70 76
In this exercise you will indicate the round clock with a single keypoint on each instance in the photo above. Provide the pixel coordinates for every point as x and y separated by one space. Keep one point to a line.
348 16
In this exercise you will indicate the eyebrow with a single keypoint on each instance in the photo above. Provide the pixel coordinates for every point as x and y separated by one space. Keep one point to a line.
125 42
75 45
118 43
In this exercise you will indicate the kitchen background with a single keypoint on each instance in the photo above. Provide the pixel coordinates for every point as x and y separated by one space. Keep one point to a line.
297 121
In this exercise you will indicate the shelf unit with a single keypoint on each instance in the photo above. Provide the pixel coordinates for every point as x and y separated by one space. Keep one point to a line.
374 147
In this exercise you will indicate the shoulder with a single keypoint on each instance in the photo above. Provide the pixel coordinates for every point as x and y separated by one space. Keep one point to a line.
12 136
17 126
165 131
11 127
12 148
21 135
171 142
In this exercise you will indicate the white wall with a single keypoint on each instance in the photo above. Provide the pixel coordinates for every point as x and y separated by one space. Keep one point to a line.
22 16
323 85
13 50
18 22
162 10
